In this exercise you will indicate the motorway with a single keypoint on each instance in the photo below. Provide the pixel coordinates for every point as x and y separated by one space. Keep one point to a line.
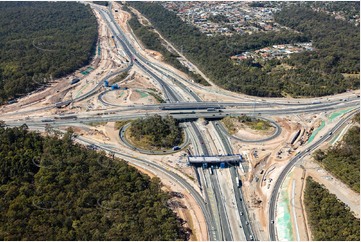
213 194
171 96
290 165
231 108
115 115
242 208
225 229
211 204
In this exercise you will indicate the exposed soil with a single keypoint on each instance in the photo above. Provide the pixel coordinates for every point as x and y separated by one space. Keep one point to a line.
248 133
154 54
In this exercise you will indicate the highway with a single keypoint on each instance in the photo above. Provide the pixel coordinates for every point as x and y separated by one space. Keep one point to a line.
181 106
290 165
214 193
226 93
264 108
242 207
171 96
245 104
211 205
95 89
115 115
168 73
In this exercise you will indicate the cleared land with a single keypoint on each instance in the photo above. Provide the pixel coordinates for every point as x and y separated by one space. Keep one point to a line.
248 127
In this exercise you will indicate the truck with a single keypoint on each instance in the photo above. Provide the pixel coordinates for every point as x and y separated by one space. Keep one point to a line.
74 117
75 80
238 182
115 87
62 104
47 120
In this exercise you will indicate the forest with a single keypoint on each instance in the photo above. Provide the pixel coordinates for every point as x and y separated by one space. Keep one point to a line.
348 9
152 41
157 131
343 160
53 189
328 217
40 41
336 41
316 73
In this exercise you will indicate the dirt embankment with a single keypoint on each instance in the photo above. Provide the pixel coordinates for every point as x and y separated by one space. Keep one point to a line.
248 128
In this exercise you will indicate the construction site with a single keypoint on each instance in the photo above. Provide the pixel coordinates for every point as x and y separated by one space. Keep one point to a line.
110 85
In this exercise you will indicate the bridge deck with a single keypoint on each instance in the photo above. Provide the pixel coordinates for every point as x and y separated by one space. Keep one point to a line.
214 159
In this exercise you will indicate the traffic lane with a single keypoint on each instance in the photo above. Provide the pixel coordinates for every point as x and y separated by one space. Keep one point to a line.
279 181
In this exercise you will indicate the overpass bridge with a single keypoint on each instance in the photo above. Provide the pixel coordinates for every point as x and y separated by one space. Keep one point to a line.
221 160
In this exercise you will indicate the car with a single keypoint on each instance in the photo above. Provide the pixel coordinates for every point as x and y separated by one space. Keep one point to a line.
272 221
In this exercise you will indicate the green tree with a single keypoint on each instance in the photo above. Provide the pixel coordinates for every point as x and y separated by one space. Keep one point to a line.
328 217
52 189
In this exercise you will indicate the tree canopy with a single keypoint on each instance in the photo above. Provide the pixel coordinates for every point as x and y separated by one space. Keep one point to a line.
151 40
42 40
329 218
158 131
343 161
314 73
51 189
